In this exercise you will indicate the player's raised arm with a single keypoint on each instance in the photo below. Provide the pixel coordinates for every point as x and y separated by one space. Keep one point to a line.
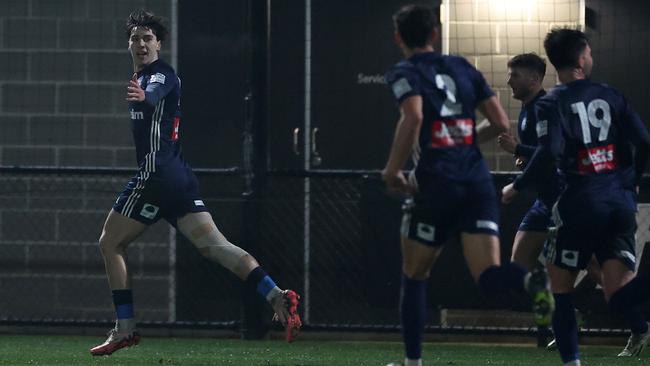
497 120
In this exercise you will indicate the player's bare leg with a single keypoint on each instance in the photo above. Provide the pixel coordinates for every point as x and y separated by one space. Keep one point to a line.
526 248
118 232
616 275
481 251
417 261
200 229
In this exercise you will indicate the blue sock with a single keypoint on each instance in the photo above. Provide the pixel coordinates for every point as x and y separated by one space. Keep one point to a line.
413 314
123 301
261 281
500 279
626 301
565 328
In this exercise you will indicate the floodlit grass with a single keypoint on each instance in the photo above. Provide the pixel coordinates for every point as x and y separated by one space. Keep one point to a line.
70 351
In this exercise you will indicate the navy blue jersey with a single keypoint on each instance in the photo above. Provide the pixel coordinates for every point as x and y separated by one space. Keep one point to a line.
451 89
547 189
155 120
527 128
589 128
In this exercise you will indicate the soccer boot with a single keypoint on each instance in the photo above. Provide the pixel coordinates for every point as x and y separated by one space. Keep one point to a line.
115 341
285 306
542 299
635 344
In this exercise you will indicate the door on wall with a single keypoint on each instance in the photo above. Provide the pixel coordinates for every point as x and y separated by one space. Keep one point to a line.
330 110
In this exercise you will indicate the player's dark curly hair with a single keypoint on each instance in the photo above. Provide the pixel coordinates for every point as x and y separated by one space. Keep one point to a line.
564 46
530 61
146 19
414 23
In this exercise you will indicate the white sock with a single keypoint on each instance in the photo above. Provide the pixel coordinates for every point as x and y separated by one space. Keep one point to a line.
418 362
273 293
573 363
125 325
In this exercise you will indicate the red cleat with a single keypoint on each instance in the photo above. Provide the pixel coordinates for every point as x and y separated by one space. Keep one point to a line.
116 341
292 327
286 312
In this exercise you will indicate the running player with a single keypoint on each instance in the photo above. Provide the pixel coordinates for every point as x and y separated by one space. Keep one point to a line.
451 188
165 187
588 128
525 75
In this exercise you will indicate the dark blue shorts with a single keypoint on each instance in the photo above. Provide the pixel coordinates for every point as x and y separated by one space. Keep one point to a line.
171 192
538 218
604 228
441 210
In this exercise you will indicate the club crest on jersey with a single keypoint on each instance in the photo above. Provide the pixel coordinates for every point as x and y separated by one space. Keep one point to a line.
149 211
597 159
157 78
452 132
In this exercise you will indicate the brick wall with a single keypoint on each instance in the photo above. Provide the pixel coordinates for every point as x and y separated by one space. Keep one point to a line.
65 67
62 93
488 33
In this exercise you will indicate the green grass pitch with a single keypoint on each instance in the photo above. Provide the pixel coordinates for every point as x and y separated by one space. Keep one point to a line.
71 350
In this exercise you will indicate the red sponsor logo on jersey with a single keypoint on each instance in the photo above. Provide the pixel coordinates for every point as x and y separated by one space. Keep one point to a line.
177 122
452 132
597 159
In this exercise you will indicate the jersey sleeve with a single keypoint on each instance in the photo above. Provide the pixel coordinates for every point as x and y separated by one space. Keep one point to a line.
159 85
549 141
635 131
403 82
526 151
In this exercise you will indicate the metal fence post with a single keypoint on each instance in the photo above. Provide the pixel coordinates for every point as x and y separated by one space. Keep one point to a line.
254 324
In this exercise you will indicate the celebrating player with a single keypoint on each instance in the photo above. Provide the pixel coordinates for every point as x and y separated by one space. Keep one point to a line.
588 128
525 76
451 188
165 187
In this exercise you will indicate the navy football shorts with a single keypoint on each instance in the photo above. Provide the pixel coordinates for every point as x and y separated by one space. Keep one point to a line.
584 229
171 192
538 218
443 209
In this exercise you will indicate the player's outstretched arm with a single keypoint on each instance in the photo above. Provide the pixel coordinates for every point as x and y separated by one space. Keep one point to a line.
498 121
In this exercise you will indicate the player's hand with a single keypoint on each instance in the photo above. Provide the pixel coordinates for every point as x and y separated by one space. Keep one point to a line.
134 92
507 142
396 182
508 193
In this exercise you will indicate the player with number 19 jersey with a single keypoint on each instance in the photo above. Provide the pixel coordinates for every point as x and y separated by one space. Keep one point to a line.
588 127
455 188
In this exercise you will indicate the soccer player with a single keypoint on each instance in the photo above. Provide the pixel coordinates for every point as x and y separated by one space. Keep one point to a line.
451 188
165 187
588 128
525 75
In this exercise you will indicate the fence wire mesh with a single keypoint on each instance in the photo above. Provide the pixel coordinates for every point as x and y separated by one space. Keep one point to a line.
333 238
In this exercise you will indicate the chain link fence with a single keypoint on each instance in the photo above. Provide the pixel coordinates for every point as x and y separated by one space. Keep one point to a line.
331 236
